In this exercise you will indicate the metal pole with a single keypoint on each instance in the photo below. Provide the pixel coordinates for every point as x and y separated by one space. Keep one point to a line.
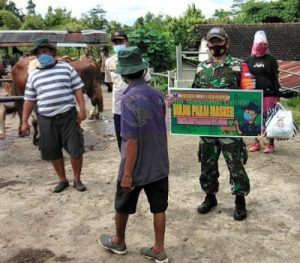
11 98
179 62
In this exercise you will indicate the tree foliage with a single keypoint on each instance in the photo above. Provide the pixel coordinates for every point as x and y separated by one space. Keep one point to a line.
183 28
34 22
221 16
281 11
8 20
155 34
95 19
11 7
30 8
55 19
157 47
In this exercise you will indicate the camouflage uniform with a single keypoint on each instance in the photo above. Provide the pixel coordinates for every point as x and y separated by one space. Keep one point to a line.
224 75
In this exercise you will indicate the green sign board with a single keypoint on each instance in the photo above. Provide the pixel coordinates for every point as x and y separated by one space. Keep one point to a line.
216 112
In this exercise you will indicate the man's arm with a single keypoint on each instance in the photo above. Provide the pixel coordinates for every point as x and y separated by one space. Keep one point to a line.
131 153
80 100
27 109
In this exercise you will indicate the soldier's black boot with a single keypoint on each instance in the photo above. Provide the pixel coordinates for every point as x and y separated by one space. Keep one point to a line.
210 201
240 212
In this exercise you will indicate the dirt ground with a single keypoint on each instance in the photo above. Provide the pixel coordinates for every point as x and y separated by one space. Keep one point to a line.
39 226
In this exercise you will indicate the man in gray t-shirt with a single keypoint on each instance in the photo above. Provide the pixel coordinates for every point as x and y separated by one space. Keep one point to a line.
144 156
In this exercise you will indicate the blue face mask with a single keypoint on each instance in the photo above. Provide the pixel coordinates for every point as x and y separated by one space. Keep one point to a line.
117 48
247 116
46 60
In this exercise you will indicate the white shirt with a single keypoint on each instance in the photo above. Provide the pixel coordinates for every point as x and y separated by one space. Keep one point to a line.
119 86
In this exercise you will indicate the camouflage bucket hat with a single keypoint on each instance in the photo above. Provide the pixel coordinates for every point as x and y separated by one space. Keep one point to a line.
217 32
130 61
42 42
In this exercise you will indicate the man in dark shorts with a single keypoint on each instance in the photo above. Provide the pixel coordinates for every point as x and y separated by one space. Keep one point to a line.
52 86
144 156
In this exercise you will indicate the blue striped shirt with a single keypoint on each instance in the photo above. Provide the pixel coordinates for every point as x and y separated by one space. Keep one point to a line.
53 88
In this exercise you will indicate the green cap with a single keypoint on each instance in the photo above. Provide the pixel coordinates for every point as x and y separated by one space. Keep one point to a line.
42 42
130 61
217 32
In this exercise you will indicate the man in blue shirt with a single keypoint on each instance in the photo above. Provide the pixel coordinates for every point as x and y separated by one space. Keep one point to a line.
144 156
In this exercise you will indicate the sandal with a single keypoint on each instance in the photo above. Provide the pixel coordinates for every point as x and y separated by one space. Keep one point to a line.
79 186
62 185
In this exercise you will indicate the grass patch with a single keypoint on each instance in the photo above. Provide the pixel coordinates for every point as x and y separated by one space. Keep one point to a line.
293 104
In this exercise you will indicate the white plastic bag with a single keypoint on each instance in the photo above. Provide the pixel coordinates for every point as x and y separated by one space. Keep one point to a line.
281 124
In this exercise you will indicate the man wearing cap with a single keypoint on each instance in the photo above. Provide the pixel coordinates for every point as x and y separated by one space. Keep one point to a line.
119 41
144 156
52 86
221 71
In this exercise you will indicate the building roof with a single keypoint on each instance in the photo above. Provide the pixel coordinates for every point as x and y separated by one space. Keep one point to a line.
289 74
283 38
25 38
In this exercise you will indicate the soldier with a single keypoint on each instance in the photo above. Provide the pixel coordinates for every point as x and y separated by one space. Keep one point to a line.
221 71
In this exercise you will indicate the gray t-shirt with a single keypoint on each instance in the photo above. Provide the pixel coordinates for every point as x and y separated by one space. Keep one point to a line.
143 114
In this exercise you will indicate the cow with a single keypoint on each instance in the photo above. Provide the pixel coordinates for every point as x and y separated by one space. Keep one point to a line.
88 70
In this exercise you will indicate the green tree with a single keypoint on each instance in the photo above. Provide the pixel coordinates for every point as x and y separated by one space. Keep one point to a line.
9 20
54 19
157 47
291 12
33 22
283 11
183 28
73 25
95 19
113 26
30 8
11 6
151 20
221 16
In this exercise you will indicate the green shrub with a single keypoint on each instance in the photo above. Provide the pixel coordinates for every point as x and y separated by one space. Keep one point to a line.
293 104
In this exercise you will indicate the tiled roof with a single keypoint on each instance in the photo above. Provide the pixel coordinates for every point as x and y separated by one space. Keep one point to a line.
283 38
24 38
289 74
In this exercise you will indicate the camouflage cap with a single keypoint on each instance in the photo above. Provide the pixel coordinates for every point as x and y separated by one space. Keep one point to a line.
217 32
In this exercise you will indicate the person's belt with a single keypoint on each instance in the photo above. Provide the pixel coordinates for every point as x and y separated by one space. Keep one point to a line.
60 115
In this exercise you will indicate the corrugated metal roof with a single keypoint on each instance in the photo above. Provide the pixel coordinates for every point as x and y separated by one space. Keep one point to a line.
22 38
289 74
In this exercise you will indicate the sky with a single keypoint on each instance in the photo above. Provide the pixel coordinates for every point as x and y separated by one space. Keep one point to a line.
126 12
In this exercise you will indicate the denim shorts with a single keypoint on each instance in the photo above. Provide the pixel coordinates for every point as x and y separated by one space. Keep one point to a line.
58 132
156 192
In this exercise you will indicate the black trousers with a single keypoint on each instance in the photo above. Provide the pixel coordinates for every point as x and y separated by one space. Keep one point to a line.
117 123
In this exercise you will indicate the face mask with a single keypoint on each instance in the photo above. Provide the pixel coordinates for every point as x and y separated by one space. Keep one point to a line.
46 60
247 116
261 51
217 51
117 48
